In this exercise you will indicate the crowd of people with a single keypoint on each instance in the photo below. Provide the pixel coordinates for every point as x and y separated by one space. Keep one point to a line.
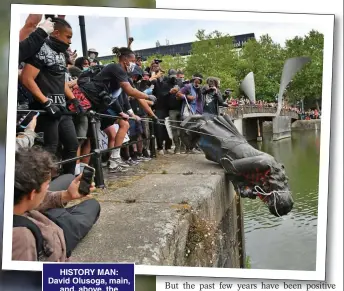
131 100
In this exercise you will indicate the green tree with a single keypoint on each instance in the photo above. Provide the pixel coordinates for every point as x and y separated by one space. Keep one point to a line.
214 55
307 84
265 59
168 62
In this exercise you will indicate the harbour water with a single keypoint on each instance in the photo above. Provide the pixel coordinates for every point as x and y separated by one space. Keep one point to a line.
287 243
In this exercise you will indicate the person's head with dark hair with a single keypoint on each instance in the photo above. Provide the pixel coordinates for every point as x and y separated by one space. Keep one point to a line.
139 61
172 76
155 67
62 31
145 75
33 168
180 75
82 63
126 58
136 74
197 80
213 82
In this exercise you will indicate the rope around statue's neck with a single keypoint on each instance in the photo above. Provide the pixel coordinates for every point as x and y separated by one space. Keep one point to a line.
260 191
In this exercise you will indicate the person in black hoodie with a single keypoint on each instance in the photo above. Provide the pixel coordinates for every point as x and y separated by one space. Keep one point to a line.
44 75
175 107
212 97
162 88
32 44
28 47
139 129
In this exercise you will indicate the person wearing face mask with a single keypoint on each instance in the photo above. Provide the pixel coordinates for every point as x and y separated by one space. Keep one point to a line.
191 95
212 97
174 109
180 76
44 75
192 98
92 57
162 88
114 79
82 63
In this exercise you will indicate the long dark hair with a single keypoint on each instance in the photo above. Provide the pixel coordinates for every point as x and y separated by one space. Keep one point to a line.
79 62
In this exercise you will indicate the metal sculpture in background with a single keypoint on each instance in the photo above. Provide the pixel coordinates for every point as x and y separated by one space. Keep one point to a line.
248 87
290 68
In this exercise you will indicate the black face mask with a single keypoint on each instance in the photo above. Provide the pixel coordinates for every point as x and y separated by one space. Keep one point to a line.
57 45
173 80
145 83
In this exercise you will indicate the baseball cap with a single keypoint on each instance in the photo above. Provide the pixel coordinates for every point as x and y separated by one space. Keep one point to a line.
172 73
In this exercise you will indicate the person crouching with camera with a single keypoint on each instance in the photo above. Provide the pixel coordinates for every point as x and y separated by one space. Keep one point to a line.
43 229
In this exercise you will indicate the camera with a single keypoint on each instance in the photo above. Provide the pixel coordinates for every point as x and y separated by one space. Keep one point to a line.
105 97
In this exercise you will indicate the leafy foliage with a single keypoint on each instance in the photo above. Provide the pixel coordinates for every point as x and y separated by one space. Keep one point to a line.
265 59
307 84
168 62
214 54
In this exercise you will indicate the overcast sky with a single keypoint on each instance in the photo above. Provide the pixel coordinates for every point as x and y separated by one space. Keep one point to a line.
103 33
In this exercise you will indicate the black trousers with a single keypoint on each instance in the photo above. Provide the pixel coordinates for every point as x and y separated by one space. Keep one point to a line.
56 131
161 132
75 221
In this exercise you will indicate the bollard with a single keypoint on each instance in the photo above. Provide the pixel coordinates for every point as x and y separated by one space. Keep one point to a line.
152 140
97 157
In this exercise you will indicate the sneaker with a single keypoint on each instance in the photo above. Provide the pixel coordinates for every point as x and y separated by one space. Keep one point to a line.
131 162
169 152
161 152
143 159
119 162
117 169
146 153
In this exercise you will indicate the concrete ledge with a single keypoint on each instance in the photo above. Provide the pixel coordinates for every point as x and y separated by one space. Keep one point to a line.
314 124
281 127
176 210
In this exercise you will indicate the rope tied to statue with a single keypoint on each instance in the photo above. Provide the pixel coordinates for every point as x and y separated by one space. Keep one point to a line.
261 192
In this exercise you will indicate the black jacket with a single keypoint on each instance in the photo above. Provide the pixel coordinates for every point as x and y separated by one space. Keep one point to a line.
32 44
217 97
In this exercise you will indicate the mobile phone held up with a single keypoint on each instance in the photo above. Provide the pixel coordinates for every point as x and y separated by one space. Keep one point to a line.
28 118
86 180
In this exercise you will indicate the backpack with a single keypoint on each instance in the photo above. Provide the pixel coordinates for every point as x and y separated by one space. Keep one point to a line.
91 72
98 93
22 221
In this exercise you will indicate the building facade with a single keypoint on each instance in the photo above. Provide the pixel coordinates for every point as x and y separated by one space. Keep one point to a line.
183 49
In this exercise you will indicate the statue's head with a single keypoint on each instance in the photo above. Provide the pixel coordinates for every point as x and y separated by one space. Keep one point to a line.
275 192
271 187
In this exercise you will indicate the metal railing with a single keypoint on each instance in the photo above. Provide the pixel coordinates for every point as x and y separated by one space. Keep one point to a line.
238 112
96 153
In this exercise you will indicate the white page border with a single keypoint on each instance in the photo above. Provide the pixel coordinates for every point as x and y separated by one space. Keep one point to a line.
326 20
